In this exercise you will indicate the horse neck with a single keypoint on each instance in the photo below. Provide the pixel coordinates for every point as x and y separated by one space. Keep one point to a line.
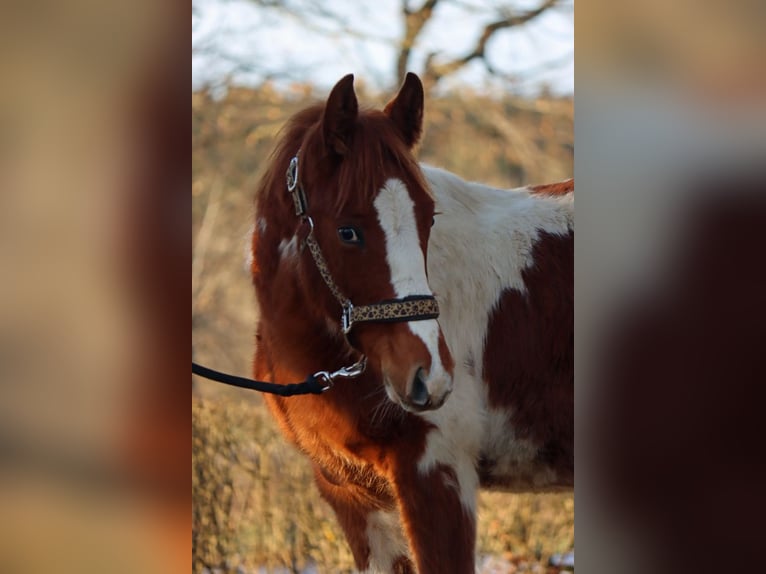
489 234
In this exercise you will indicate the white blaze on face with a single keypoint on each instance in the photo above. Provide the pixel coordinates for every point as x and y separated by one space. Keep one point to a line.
396 214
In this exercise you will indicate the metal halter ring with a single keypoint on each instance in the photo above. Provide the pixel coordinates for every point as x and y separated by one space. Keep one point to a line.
292 174
324 376
295 189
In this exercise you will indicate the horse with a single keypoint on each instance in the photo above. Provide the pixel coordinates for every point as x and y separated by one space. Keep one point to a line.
459 298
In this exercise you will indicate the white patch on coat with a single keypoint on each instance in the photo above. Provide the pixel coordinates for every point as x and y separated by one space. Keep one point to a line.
288 249
481 242
396 215
386 540
439 452
502 447
514 460
456 442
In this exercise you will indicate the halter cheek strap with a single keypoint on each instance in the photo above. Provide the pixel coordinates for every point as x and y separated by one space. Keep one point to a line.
411 308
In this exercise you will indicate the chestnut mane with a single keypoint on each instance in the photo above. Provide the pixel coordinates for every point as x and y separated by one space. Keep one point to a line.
375 144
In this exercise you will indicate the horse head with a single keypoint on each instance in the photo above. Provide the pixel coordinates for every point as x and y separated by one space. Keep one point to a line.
367 213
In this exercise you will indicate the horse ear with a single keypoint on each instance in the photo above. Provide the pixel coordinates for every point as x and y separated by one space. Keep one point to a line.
406 109
340 116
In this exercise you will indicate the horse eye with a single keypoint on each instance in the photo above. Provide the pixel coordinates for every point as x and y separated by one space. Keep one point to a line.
349 235
433 220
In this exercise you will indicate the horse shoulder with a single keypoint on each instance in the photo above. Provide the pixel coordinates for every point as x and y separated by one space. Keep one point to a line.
502 264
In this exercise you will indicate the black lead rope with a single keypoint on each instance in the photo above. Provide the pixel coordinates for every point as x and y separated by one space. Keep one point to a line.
311 386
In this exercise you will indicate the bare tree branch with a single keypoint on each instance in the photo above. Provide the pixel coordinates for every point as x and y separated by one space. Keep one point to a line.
340 21
414 20
316 16
434 70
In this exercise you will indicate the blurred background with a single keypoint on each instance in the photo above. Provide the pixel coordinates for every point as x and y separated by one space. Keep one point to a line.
499 109
95 256
669 309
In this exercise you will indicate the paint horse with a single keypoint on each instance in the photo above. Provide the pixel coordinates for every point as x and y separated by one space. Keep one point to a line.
398 461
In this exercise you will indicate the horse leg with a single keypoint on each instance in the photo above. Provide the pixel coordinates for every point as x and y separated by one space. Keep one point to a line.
372 526
438 506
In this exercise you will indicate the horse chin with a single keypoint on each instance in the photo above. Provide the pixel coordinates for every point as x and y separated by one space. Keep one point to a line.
397 399
391 393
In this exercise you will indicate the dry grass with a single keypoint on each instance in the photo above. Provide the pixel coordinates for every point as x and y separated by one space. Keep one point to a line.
255 503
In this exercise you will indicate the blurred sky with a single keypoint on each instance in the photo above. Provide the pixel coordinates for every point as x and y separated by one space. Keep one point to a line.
248 42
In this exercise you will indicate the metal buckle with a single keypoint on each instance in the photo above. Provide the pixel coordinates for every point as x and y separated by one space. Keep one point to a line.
295 189
349 372
346 322
292 174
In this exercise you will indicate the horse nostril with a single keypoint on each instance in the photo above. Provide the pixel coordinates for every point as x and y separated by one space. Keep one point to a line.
419 393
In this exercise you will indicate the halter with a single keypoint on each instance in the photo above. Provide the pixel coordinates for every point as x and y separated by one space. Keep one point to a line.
410 308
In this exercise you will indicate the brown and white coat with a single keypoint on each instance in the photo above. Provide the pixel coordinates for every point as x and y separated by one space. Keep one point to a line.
403 481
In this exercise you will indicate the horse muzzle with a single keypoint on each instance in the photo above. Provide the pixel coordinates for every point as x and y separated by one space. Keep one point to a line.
422 392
